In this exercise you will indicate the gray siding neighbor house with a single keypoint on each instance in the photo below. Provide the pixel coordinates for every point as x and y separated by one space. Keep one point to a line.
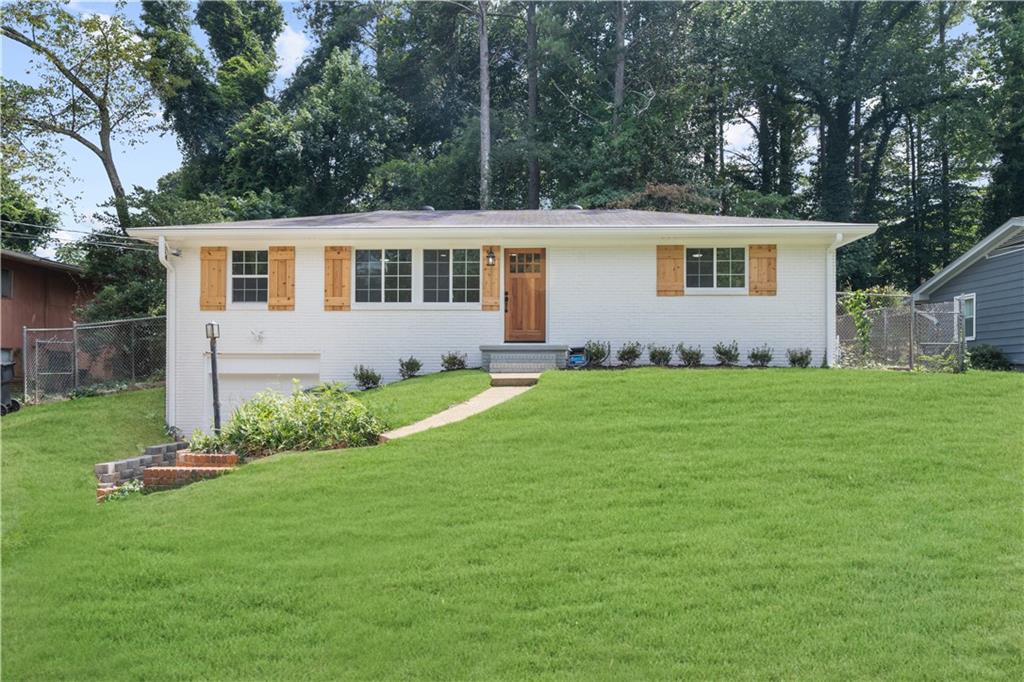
987 283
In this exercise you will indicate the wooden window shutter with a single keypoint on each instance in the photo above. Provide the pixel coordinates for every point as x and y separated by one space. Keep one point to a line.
490 298
670 270
762 270
281 279
337 277
213 277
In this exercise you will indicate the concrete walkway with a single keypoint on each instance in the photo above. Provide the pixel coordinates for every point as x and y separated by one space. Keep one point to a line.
475 405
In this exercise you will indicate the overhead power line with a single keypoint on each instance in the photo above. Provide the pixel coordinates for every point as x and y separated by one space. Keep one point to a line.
64 229
87 244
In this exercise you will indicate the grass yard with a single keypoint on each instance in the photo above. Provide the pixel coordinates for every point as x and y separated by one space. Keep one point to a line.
409 401
798 524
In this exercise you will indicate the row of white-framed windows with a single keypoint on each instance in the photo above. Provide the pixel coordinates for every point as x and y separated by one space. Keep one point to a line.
383 275
249 276
716 268
451 275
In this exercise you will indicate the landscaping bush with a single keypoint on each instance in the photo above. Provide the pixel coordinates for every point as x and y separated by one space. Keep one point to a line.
629 353
125 490
659 355
690 356
597 352
366 378
727 353
452 361
761 356
799 357
984 356
409 368
322 419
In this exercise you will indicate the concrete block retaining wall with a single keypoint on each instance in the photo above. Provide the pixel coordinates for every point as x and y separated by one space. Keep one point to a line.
113 474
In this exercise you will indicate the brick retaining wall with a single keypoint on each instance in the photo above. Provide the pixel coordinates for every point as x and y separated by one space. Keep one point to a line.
113 474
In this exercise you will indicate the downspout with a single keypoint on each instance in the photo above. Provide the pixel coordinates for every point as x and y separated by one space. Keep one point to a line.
830 300
169 334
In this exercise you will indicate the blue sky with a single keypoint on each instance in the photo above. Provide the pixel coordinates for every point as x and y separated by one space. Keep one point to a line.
158 154
142 165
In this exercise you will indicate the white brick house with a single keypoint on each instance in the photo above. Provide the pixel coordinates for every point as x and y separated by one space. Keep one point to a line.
310 298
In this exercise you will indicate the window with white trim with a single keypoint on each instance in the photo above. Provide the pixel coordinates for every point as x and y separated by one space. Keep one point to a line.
451 275
716 268
249 276
967 309
383 275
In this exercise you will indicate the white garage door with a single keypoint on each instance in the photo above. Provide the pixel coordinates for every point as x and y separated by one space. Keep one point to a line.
243 375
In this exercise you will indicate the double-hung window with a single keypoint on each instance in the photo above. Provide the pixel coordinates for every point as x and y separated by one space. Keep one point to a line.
248 276
967 305
383 275
451 275
716 268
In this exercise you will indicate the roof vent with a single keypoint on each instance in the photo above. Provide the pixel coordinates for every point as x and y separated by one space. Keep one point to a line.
426 207
574 207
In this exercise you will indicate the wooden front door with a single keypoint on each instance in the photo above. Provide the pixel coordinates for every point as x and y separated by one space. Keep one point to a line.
525 290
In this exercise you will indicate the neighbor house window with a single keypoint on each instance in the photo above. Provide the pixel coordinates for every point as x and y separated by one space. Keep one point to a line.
7 279
451 275
6 355
383 275
716 268
248 276
967 305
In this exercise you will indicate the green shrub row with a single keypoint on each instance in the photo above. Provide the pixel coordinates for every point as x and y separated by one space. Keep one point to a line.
726 354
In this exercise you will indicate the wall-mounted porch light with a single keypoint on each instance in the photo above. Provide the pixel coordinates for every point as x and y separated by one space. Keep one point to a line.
490 257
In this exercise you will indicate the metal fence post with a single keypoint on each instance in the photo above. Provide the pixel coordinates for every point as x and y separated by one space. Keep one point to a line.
74 352
133 352
913 323
24 362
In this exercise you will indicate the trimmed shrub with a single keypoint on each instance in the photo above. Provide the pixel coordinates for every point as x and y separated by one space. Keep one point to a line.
984 356
799 357
659 355
365 377
690 356
320 419
452 361
629 353
727 353
409 368
597 352
761 356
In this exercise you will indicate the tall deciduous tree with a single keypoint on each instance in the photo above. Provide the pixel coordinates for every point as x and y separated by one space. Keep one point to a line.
89 84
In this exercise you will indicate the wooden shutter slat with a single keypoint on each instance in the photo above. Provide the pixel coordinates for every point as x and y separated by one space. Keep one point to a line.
763 269
213 277
337 277
490 298
670 270
281 278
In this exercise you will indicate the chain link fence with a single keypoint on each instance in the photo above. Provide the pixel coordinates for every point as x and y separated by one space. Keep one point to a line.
893 331
94 357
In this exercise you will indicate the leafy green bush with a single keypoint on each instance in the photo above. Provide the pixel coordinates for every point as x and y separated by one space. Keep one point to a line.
727 353
659 355
452 361
690 356
984 356
947 362
629 353
409 368
269 422
366 378
761 356
597 352
799 357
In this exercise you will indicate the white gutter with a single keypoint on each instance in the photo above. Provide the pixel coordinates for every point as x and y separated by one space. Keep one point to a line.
169 334
830 299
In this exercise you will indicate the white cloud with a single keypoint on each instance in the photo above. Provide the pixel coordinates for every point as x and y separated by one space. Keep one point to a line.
291 46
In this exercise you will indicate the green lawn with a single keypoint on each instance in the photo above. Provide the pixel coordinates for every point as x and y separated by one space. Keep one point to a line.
797 524
408 401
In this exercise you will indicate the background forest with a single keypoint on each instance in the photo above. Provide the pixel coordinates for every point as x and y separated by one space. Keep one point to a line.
885 112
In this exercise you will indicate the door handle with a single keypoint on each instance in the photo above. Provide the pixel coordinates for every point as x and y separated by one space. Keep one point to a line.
506 301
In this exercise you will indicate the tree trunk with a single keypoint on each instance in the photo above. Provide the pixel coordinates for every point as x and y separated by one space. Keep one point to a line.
765 146
532 161
870 196
124 219
836 191
786 163
857 146
485 110
944 192
619 94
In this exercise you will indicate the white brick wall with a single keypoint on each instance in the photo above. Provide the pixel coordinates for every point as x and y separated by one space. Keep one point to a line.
594 292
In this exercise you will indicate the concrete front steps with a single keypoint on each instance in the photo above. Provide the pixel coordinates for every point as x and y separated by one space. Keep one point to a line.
523 358
189 468
515 379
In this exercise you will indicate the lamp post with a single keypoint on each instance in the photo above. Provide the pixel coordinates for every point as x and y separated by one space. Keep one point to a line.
212 332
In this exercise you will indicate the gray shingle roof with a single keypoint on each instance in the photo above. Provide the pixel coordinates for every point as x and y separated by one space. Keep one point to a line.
593 218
